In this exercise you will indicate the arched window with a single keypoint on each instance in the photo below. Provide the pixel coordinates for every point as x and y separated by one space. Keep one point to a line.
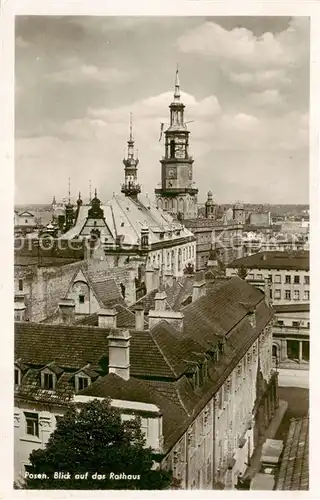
172 148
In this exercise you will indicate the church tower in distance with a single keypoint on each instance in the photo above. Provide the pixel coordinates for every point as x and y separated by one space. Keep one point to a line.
131 187
177 194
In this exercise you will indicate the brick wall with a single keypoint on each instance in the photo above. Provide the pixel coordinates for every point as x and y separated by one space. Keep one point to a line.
44 287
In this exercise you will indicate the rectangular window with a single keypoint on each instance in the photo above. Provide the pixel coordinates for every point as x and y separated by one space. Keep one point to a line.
307 280
277 278
251 276
296 280
306 295
81 299
82 383
270 277
259 277
20 285
296 295
288 294
288 279
16 376
32 423
270 293
280 322
277 294
295 324
48 381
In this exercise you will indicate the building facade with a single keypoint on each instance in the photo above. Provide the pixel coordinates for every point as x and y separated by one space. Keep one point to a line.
288 273
177 194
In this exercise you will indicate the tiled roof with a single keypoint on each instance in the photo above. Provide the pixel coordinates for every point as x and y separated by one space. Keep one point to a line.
219 310
294 468
115 387
163 357
298 260
281 308
103 281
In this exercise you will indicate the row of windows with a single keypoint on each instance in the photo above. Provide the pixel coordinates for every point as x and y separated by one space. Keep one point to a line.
48 381
295 324
289 296
185 253
288 279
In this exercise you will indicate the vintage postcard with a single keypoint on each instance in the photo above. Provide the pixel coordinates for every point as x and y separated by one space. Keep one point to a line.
161 241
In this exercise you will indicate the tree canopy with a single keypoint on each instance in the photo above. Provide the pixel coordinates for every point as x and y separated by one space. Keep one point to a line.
92 448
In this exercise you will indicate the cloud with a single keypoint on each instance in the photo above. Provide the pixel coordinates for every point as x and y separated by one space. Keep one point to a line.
265 78
240 46
87 73
267 98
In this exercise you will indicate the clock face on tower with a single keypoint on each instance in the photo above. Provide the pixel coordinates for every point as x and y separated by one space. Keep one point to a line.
172 173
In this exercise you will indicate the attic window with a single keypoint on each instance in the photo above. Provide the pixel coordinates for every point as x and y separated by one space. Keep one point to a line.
122 224
48 381
20 285
81 382
81 299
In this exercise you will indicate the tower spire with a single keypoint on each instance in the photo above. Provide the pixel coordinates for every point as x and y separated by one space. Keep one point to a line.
69 191
130 186
89 190
177 86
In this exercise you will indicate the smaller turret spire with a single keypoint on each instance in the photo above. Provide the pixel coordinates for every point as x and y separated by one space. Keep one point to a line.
177 86
69 189
89 190
130 186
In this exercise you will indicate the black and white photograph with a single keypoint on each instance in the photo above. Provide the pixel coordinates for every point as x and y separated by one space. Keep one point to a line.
161 252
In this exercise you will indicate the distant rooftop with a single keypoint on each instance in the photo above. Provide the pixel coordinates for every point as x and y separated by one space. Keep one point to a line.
294 468
298 260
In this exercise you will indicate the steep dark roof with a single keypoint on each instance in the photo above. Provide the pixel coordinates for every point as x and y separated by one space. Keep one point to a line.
133 389
281 308
223 306
298 260
294 468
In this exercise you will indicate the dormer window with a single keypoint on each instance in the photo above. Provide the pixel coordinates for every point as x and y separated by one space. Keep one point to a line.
48 380
17 376
82 382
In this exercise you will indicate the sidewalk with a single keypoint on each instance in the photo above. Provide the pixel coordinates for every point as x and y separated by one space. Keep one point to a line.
293 378
270 433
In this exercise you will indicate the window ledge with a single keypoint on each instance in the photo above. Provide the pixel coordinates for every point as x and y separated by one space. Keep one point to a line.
30 439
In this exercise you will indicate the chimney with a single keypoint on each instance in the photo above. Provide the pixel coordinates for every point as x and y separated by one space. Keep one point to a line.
168 278
130 291
67 310
175 318
156 277
139 316
119 353
149 279
267 289
160 300
199 286
107 318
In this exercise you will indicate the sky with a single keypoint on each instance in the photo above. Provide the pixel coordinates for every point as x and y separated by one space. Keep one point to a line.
244 81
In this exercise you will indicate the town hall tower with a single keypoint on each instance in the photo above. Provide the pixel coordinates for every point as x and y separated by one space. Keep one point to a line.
177 194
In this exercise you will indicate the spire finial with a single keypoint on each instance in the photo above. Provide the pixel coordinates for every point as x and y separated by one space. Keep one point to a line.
79 196
89 190
131 136
95 192
177 85
69 181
